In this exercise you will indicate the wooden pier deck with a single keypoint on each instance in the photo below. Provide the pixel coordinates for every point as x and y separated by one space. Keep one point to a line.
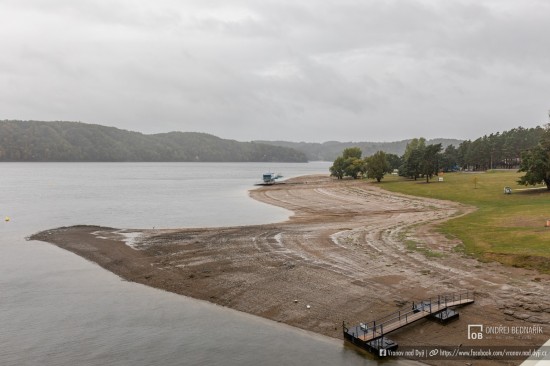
409 317
377 329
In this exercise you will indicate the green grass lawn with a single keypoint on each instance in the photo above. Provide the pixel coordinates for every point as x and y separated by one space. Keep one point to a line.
506 228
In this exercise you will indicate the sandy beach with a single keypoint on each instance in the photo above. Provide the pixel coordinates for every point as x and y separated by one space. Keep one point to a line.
344 253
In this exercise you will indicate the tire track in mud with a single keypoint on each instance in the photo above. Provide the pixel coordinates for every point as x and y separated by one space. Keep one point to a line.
375 216
380 223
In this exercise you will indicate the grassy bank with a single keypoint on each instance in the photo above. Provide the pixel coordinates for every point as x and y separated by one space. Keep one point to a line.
506 228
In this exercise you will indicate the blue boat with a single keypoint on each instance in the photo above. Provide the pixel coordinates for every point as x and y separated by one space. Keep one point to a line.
271 178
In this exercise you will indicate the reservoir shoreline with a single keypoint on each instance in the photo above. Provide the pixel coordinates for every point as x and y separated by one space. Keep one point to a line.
343 253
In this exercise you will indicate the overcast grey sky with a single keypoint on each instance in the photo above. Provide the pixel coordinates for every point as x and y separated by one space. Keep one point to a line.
299 70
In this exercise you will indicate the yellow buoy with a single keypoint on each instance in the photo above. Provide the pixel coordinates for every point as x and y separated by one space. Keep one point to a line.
7 219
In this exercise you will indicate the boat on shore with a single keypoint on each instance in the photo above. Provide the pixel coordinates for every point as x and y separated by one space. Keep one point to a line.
269 179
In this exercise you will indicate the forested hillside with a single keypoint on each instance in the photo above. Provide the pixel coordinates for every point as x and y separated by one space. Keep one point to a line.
328 151
75 141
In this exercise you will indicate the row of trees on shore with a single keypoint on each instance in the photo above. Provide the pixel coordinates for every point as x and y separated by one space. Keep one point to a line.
527 150
419 160
352 165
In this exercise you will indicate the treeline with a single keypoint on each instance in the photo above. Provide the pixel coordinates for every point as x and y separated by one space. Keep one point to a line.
75 141
496 151
328 151
513 149
418 160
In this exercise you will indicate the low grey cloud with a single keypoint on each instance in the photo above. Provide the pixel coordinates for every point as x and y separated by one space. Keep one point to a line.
336 70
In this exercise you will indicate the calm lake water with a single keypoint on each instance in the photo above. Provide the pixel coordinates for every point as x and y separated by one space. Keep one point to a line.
59 309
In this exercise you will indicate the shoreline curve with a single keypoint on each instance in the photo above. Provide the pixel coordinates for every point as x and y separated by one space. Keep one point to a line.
344 252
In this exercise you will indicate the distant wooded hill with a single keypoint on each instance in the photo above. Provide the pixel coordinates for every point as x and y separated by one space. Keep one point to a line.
75 141
328 151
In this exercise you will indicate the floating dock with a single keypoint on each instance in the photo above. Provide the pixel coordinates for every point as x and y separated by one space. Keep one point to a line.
371 336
